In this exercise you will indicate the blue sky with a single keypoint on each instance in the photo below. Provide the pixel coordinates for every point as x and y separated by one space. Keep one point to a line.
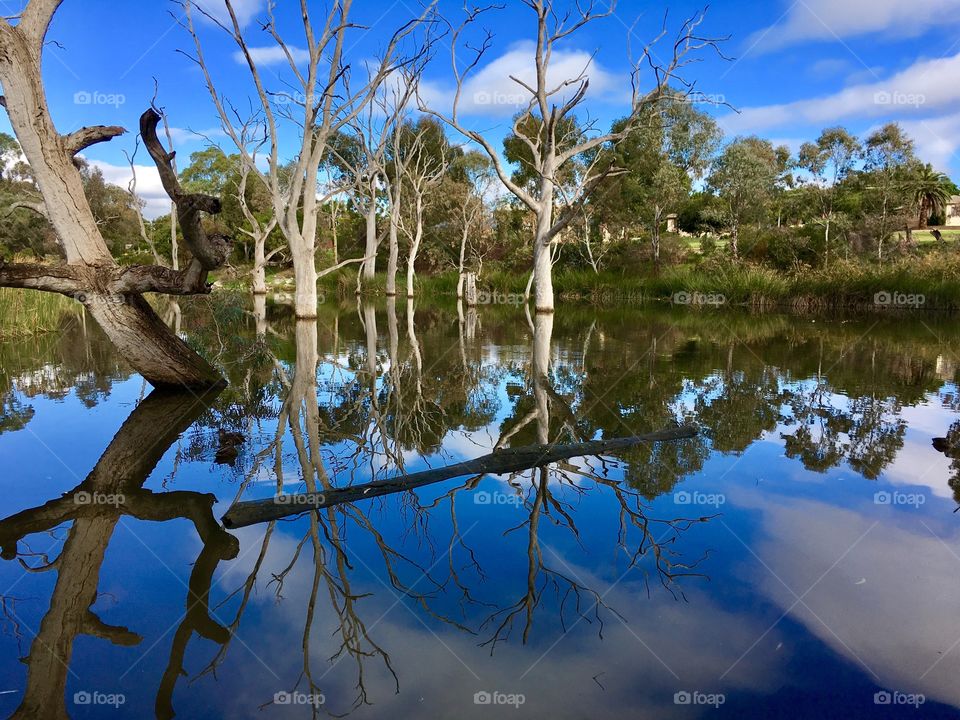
796 67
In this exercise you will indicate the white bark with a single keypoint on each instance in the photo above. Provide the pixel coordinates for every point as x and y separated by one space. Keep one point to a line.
552 102
325 104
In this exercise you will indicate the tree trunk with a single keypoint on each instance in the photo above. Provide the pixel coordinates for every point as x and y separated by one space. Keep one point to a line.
393 258
370 253
826 242
470 289
500 462
415 247
151 348
542 256
542 344
655 235
462 261
260 314
140 336
305 278
259 266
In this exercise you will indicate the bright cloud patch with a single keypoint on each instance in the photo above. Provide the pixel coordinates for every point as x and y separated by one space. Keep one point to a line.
272 55
491 92
245 10
149 187
924 87
832 20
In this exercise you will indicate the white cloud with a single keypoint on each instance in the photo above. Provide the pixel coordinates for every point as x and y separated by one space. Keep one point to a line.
882 596
924 86
272 55
832 20
937 139
490 91
149 187
245 10
186 136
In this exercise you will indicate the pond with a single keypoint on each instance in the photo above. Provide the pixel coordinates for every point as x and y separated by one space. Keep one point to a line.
796 558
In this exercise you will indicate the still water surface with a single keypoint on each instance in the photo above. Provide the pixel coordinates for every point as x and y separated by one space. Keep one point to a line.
799 558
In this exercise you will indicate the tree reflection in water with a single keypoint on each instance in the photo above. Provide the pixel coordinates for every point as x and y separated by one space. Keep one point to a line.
363 408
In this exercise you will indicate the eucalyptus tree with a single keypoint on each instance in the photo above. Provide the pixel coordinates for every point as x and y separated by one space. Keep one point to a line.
745 177
829 161
471 210
425 159
552 103
9 154
665 154
314 103
887 153
113 294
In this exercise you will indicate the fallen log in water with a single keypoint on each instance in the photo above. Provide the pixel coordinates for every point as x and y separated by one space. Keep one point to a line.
496 463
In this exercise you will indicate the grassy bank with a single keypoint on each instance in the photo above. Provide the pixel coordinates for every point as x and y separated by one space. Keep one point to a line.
29 312
931 282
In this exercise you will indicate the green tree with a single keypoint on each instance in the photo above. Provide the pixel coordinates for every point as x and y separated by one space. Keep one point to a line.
829 160
662 157
887 154
746 176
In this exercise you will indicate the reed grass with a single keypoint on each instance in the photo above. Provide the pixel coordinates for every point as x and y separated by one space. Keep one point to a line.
24 313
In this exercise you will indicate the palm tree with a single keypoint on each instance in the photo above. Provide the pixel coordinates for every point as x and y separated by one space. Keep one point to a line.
931 192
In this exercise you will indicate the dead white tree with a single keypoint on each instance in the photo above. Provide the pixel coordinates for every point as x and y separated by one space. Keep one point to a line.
554 100
254 136
472 214
111 293
360 156
137 204
317 103
422 170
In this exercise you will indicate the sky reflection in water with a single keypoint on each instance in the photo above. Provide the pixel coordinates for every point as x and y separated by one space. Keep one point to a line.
795 559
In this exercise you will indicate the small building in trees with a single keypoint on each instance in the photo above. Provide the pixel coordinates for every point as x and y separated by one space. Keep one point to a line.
951 212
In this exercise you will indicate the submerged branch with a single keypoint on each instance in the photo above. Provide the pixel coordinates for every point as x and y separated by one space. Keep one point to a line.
502 461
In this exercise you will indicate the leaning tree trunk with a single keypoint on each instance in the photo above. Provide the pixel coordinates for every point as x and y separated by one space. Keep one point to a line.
112 294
